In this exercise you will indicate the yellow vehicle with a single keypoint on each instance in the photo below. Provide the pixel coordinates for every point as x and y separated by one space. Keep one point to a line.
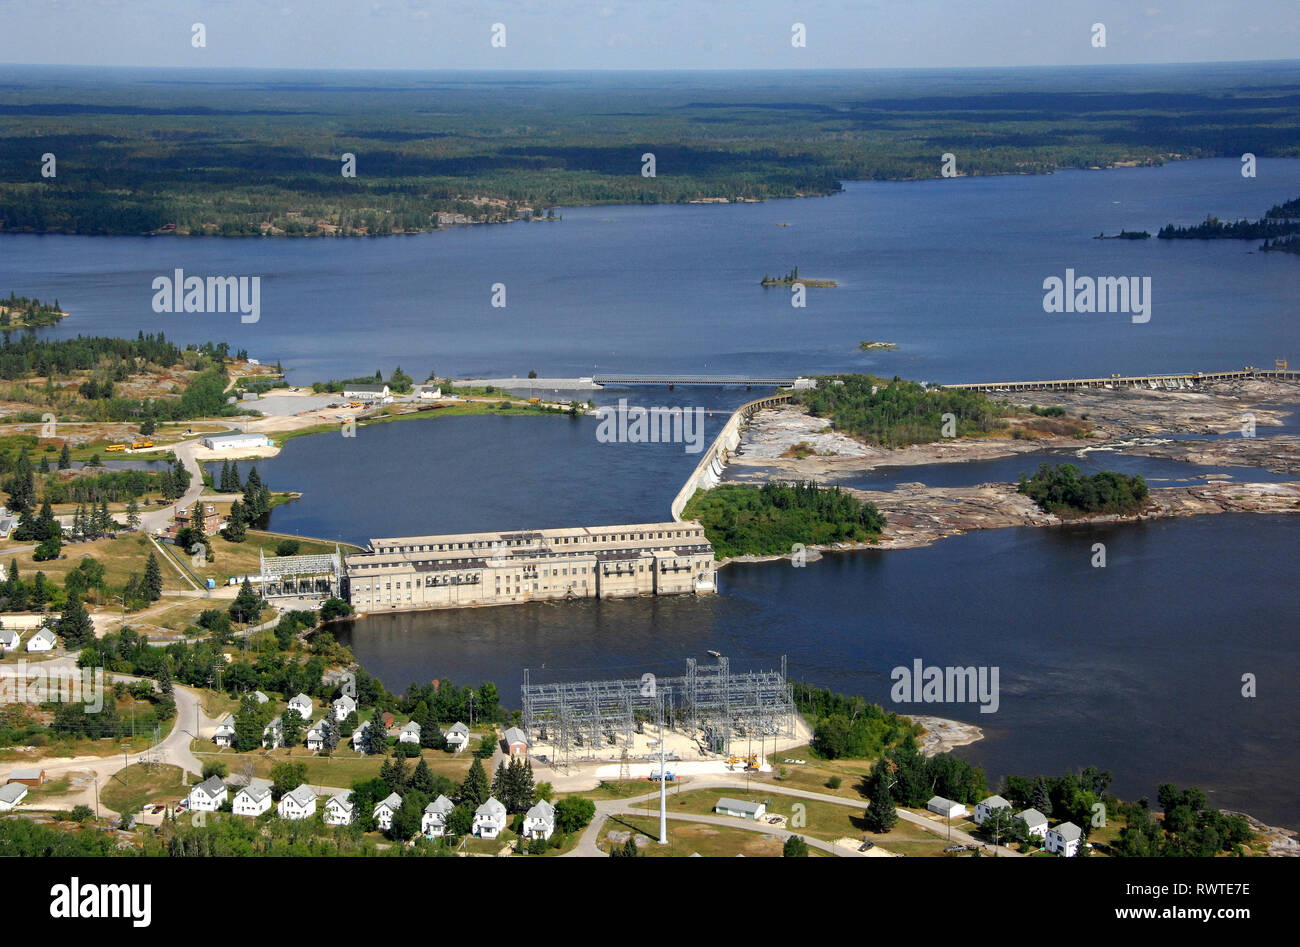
113 447
136 445
534 400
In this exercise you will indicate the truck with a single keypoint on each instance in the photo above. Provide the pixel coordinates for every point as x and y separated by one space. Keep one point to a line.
669 776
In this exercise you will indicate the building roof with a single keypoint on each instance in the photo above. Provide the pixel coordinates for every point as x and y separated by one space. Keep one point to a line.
12 793
237 437
515 735
213 786
738 805
491 809
32 773
994 802
343 801
255 792
365 387
1033 817
303 795
1068 831
344 701
393 801
411 727
542 810
440 806
458 727
43 635
942 803
260 697
300 698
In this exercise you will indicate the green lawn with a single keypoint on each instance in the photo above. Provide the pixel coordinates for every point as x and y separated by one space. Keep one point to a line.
129 789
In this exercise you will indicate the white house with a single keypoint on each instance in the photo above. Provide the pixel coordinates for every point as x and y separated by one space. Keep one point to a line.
985 807
316 736
385 809
410 733
359 737
539 821
273 734
302 704
298 804
947 808
43 640
208 795
457 736
260 697
11 794
338 811
225 732
428 392
252 800
1064 839
741 808
1035 822
8 640
434 821
489 819
343 706
364 392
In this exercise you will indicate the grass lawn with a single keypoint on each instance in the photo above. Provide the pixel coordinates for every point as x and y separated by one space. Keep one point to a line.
341 770
51 787
131 788
239 559
688 838
488 846
814 774
120 557
67 749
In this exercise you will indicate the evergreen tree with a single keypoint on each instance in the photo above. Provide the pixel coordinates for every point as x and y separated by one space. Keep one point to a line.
235 530
393 773
132 513
291 725
65 457
500 788
881 815
376 739
422 778
795 847
474 790
75 626
153 580
247 604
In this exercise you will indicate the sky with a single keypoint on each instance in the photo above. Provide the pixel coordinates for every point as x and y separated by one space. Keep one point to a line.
646 34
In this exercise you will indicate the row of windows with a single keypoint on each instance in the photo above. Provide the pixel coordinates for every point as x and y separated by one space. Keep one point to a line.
559 541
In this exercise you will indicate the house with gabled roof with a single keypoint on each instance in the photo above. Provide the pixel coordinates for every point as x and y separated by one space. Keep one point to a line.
252 800
11 794
43 640
410 733
207 796
539 821
297 804
339 810
1064 839
273 734
385 809
490 819
8 640
343 706
1035 823
433 823
302 704
516 742
359 736
224 735
986 807
260 697
316 735
457 736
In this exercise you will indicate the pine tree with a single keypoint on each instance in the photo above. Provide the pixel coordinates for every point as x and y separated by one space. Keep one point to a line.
501 787
393 773
474 790
75 625
422 778
132 513
881 815
65 457
247 604
235 531
376 740
153 580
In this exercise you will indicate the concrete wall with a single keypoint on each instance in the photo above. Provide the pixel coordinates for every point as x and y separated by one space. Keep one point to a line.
708 472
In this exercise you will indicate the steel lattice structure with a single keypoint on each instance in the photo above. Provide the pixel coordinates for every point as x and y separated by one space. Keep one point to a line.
302 575
709 702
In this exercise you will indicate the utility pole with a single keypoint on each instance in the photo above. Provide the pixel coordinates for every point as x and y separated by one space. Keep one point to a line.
663 784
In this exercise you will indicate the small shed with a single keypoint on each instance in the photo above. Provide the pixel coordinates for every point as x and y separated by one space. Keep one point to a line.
740 808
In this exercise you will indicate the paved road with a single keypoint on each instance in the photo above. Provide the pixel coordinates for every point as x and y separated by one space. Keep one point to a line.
605 808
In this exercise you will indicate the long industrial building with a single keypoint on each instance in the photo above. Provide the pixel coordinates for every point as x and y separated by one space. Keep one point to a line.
467 569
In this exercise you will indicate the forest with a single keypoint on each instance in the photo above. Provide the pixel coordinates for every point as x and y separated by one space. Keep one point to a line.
1064 489
237 158
895 413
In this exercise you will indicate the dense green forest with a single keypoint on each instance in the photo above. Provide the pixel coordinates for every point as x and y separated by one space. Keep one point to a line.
894 412
1284 245
1065 489
1212 228
241 155
745 520
847 726
23 312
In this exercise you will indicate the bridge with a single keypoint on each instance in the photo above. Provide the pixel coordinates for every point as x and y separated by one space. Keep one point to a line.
701 381
1170 381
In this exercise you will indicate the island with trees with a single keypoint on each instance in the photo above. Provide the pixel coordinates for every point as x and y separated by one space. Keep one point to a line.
1066 491
793 278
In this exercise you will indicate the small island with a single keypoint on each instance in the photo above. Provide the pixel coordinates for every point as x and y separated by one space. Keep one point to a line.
793 277
868 346
19 312
1125 235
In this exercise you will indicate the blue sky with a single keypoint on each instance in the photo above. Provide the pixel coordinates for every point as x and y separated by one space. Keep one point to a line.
650 34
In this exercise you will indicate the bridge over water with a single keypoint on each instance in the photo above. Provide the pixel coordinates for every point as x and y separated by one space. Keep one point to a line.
1170 381
701 381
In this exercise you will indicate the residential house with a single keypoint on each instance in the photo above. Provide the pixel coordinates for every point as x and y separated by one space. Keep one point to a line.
434 821
8 640
387 719
457 736
516 742
740 808
297 804
225 732
252 800
539 821
260 697
986 807
385 809
490 819
302 704
11 794
359 737
1064 839
343 706
947 808
428 392
1035 823
208 795
43 640
316 736
410 733
338 811
273 734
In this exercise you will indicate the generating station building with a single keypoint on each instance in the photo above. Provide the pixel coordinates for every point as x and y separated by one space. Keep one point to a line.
468 569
